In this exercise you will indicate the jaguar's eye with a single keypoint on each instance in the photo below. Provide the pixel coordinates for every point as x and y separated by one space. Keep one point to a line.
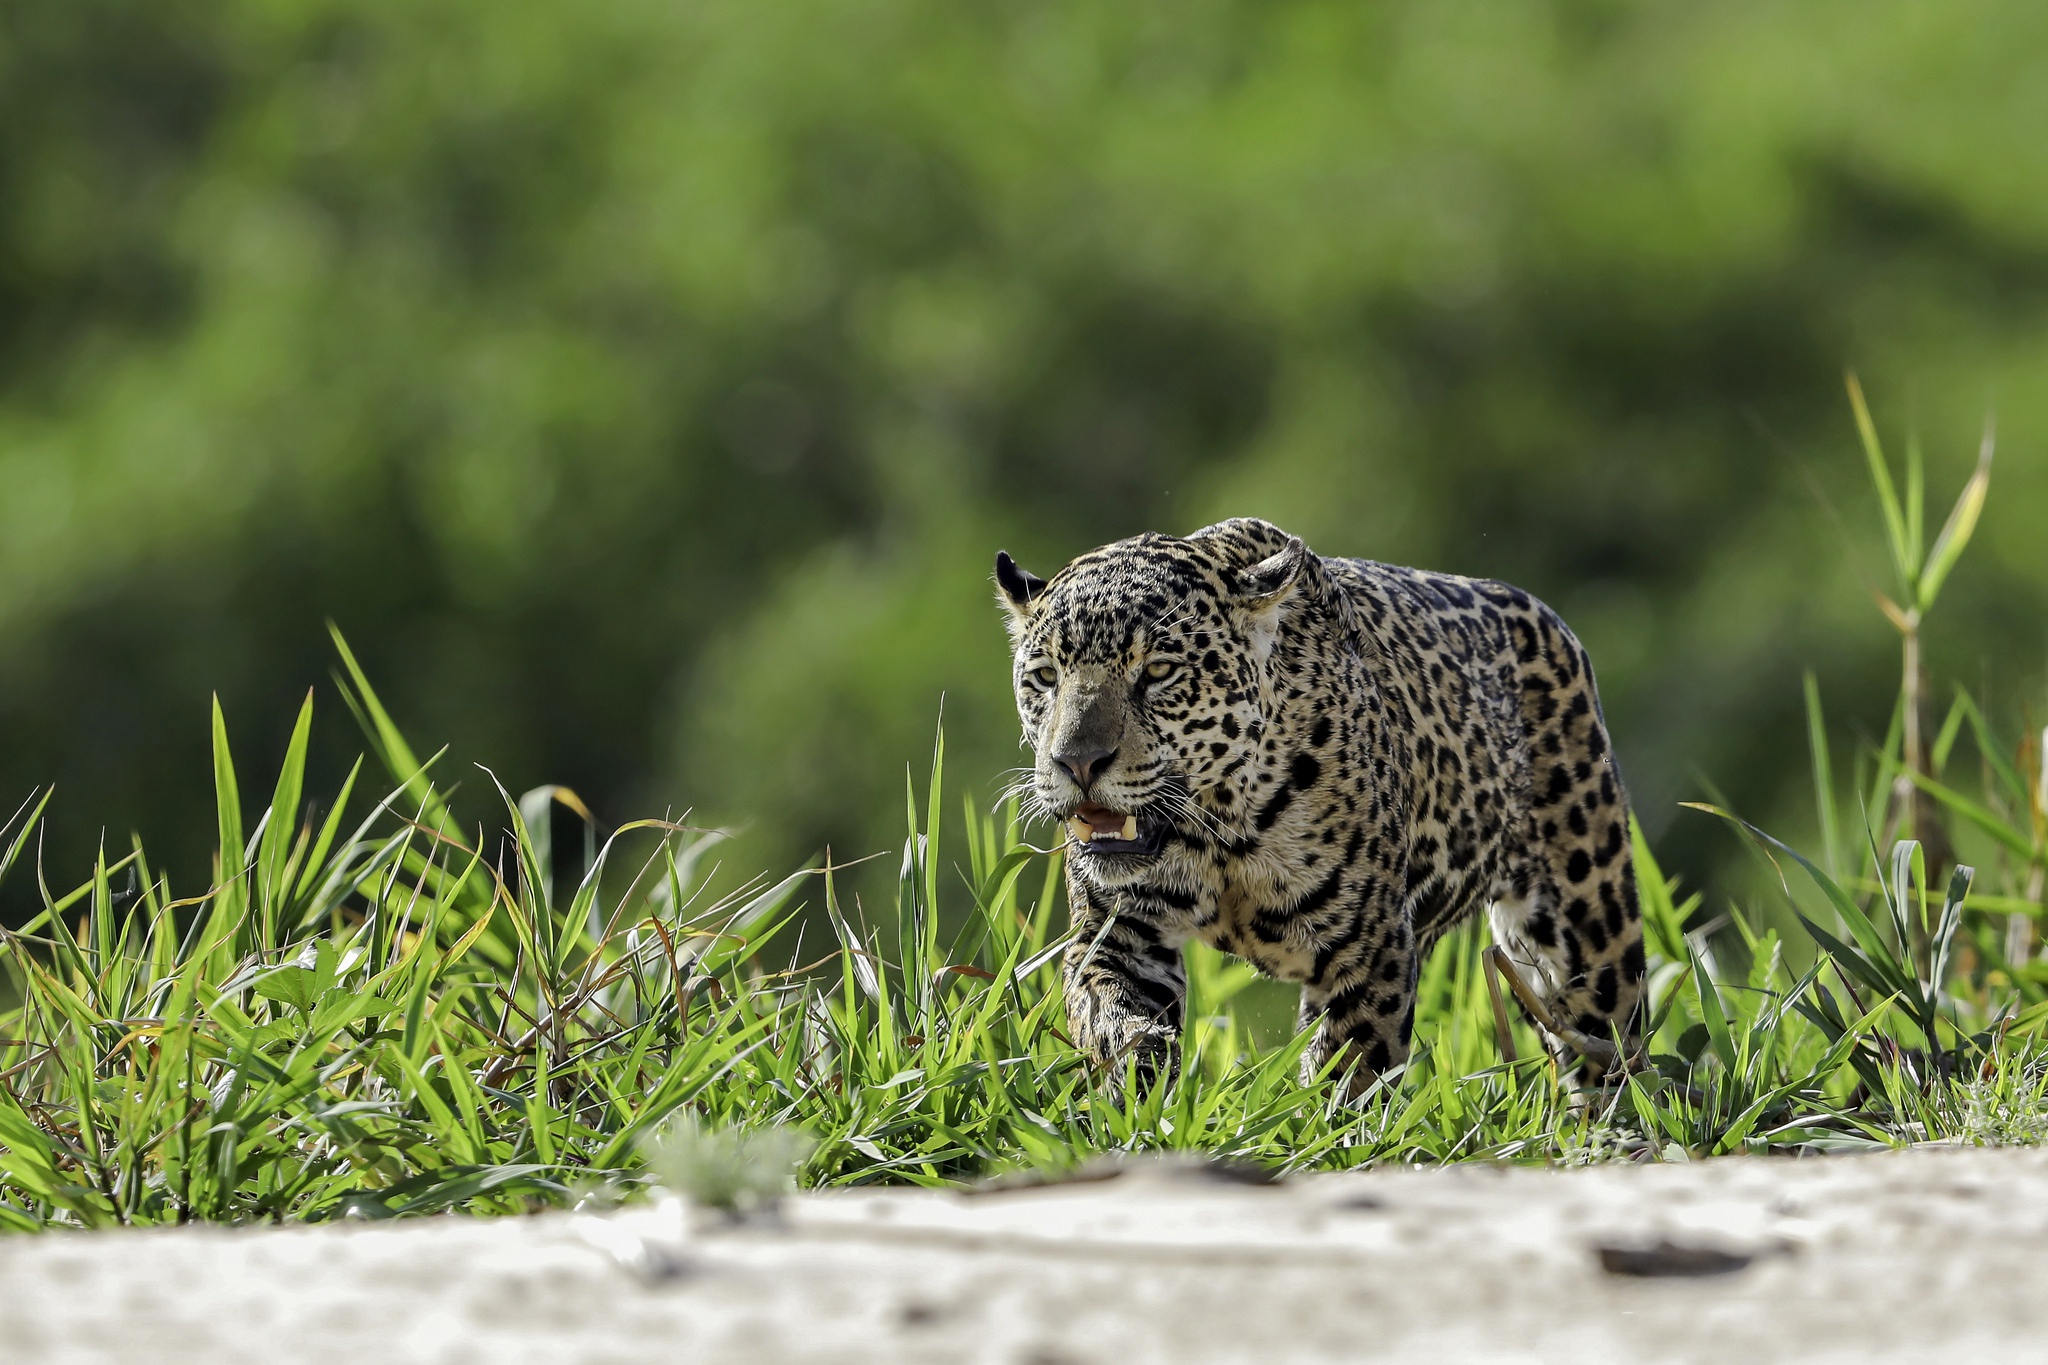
1159 670
1045 676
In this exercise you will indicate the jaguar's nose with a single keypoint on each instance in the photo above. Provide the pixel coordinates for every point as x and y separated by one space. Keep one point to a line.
1085 766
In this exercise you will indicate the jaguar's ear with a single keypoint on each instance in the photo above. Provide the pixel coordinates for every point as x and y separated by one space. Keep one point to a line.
1016 586
1269 581
1263 590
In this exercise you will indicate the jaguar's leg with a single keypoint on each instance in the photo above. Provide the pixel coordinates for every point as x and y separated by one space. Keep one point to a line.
1565 911
1125 983
1365 1012
1568 919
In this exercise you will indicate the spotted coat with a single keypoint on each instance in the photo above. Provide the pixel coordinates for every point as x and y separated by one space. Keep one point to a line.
1329 763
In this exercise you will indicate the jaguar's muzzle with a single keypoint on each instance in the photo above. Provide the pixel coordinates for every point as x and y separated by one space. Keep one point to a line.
1098 831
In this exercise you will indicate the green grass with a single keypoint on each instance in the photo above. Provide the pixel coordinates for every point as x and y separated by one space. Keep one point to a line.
379 1013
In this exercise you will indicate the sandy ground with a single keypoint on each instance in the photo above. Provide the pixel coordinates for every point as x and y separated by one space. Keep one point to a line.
1934 1255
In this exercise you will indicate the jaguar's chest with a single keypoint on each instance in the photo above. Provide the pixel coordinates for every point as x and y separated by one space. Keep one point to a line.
1274 899
1256 924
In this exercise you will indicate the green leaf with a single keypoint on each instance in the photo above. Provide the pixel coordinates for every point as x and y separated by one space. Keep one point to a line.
1663 922
1905 552
280 831
445 1188
33 807
1993 752
1916 497
744 930
1861 967
228 808
340 1009
288 985
1956 531
1951 730
1942 939
316 861
1979 815
1712 1015
1876 953
1823 776
1906 897
386 738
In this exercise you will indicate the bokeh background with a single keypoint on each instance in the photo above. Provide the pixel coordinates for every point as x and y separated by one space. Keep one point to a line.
644 387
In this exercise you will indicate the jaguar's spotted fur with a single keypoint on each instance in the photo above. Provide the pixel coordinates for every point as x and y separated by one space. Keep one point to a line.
1319 765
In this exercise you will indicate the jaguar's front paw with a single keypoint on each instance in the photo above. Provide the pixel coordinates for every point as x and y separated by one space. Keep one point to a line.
1146 1057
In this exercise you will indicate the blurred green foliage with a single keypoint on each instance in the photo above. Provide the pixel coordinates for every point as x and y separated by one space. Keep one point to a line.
644 387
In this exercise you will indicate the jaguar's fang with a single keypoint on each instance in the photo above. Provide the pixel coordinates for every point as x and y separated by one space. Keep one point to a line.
1095 824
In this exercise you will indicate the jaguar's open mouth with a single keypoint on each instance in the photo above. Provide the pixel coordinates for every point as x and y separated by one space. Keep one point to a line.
1097 830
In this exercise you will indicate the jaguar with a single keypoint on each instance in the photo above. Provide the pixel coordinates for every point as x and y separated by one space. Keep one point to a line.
1319 765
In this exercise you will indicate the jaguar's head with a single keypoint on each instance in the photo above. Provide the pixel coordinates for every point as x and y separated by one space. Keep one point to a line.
1139 672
